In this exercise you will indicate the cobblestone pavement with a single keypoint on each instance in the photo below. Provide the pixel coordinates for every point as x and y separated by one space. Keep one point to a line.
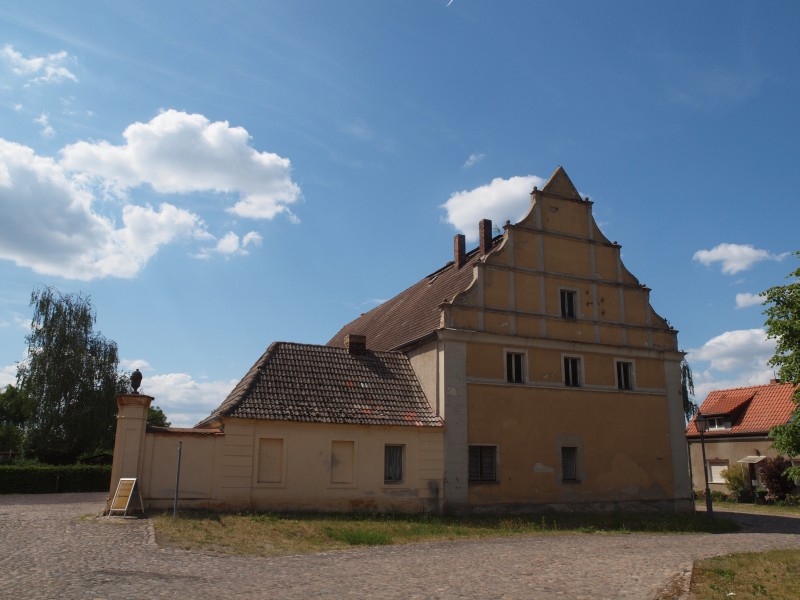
58 546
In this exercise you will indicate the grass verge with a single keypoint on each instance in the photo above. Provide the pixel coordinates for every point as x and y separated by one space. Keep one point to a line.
271 534
773 574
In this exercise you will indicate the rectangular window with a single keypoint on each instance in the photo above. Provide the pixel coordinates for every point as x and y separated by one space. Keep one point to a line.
568 303
715 470
625 375
572 371
392 464
483 463
569 463
270 460
342 461
514 367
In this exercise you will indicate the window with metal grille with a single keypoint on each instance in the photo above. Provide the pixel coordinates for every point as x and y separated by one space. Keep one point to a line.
625 375
572 371
568 303
483 463
569 463
514 366
392 464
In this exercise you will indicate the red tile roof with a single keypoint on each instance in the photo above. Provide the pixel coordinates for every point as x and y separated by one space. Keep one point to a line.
755 410
321 384
413 313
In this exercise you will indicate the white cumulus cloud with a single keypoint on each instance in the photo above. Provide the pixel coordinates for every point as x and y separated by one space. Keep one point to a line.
745 300
473 159
47 130
735 257
47 222
185 400
732 359
44 69
177 152
500 200
231 244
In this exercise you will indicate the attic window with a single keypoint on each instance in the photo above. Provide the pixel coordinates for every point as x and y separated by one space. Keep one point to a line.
718 423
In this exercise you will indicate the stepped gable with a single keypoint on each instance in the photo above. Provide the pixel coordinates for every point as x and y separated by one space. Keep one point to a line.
322 384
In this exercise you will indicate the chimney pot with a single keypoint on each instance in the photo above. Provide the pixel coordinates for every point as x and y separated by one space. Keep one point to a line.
485 234
459 250
356 344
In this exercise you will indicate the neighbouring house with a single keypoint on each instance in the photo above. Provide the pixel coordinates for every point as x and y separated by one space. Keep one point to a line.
739 421
530 373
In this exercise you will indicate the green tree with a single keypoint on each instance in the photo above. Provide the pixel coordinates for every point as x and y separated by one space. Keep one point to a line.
156 417
783 325
687 391
16 409
71 376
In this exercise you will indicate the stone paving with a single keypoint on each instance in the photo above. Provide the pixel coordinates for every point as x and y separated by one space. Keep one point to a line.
58 546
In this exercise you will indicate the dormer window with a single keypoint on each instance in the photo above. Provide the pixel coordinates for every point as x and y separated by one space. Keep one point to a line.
717 423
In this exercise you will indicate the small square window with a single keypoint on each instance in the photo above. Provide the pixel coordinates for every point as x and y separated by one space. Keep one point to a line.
715 470
625 375
392 464
514 367
569 463
568 304
483 463
572 371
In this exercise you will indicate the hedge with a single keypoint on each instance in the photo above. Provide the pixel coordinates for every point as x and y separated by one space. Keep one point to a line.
49 479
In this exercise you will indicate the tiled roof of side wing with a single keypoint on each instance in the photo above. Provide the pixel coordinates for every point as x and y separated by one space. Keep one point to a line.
413 313
769 405
321 384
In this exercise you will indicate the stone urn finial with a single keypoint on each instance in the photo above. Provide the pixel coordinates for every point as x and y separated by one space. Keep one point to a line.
136 380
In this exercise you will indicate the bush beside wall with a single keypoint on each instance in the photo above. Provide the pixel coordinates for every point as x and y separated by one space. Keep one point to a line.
49 479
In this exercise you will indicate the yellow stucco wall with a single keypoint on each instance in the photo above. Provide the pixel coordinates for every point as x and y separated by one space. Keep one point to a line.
514 305
319 467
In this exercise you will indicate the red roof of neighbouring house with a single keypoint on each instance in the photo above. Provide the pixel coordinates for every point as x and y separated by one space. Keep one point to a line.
323 384
752 410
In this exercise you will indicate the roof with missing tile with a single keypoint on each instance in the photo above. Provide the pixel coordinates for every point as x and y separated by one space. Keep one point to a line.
752 410
322 384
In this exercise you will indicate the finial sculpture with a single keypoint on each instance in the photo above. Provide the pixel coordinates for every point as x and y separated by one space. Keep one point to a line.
136 380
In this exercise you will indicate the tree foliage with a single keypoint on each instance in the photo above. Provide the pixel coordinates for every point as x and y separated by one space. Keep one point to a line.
70 374
773 474
687 391
156 417
783 325
16 409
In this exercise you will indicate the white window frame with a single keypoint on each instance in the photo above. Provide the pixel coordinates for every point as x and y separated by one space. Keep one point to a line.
631 374
579 367
715 467
523 366
572 293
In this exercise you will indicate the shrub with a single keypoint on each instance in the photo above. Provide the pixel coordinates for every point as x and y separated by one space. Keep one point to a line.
775 480
50 479
734 479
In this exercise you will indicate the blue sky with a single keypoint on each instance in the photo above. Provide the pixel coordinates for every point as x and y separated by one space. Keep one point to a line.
218 176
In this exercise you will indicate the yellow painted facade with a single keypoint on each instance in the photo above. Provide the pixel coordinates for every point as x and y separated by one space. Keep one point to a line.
280 465
625 446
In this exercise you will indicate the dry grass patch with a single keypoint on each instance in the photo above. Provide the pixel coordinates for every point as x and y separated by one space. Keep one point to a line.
763 575
270 534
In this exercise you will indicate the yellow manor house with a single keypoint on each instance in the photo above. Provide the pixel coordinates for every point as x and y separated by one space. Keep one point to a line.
505 381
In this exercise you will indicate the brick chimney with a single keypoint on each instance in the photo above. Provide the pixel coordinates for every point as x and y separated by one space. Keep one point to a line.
459 250
485 235
356 344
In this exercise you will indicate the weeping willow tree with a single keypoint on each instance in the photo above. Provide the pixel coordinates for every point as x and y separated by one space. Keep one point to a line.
70 374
